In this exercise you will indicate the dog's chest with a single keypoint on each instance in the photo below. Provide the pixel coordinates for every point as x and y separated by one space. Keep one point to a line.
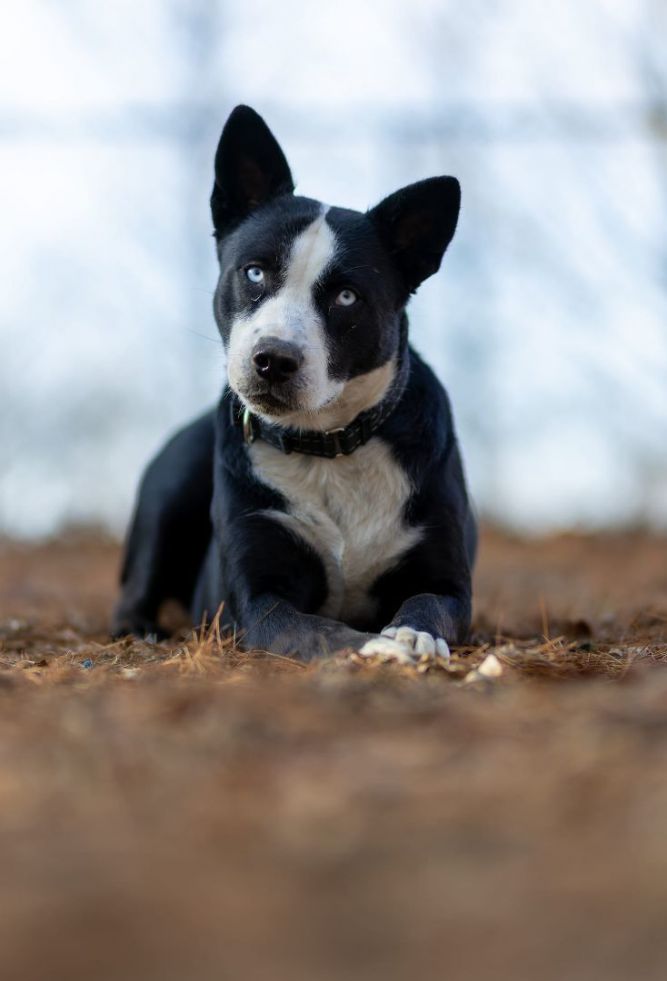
350 510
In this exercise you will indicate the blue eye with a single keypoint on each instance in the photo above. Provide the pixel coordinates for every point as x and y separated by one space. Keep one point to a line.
254 275
346 298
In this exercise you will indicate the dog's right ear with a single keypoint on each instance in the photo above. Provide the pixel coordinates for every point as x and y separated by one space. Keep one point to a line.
250 169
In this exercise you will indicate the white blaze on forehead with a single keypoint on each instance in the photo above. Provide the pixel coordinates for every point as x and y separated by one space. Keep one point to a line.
311 253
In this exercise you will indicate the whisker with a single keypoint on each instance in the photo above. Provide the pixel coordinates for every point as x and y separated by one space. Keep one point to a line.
191 330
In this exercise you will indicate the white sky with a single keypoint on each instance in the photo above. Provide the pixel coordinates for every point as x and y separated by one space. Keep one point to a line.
547 323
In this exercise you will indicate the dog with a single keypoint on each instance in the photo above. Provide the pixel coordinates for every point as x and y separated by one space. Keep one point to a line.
322 505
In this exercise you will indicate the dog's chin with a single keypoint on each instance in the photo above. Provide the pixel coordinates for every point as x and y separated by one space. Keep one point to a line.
270 404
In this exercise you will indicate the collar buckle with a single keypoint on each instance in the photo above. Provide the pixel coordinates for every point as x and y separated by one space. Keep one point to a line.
335 435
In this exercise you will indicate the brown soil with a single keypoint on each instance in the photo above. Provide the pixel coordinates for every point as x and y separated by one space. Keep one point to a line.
183 811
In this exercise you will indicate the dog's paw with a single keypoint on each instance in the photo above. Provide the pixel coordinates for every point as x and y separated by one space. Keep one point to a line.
418 642
386 649
405 646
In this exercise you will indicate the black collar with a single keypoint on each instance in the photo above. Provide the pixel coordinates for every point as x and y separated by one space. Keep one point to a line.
325 443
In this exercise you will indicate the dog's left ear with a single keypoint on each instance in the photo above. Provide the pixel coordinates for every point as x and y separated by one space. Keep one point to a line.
250 169
417 224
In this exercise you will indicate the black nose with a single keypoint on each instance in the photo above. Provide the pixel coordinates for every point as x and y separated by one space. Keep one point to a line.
276 360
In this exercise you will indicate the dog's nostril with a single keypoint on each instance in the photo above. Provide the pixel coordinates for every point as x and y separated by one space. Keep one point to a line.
277 361
262 361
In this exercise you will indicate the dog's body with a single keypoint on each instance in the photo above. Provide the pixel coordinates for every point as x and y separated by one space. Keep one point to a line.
323 503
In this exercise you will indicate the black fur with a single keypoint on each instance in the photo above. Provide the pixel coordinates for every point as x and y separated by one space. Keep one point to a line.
250 169
200 533
417 224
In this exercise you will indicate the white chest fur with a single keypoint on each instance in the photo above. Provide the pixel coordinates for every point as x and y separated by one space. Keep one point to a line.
350 510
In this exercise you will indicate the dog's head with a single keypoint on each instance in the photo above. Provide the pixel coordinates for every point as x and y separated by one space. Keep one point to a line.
310 298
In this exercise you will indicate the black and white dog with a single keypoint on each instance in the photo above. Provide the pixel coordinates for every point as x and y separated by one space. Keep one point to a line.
323 503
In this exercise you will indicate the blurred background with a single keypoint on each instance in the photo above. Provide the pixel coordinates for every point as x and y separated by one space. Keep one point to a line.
547 322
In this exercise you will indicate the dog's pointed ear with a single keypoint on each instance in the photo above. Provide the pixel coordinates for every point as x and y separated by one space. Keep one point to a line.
417 224
250 169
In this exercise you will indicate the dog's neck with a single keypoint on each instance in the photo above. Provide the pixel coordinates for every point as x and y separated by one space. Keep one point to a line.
359 395
334 439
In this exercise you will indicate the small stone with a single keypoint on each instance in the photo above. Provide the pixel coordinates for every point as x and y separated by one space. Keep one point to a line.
490 667
489 670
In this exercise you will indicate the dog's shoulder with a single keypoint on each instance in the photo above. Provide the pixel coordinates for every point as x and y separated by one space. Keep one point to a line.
421 429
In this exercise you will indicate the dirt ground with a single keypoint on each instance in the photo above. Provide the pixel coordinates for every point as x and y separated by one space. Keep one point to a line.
182 811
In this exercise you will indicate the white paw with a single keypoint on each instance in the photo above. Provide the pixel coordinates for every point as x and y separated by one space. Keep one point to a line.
405 645
386 649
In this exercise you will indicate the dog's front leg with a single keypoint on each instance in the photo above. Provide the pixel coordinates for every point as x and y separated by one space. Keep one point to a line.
425 624
275 586
276 625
